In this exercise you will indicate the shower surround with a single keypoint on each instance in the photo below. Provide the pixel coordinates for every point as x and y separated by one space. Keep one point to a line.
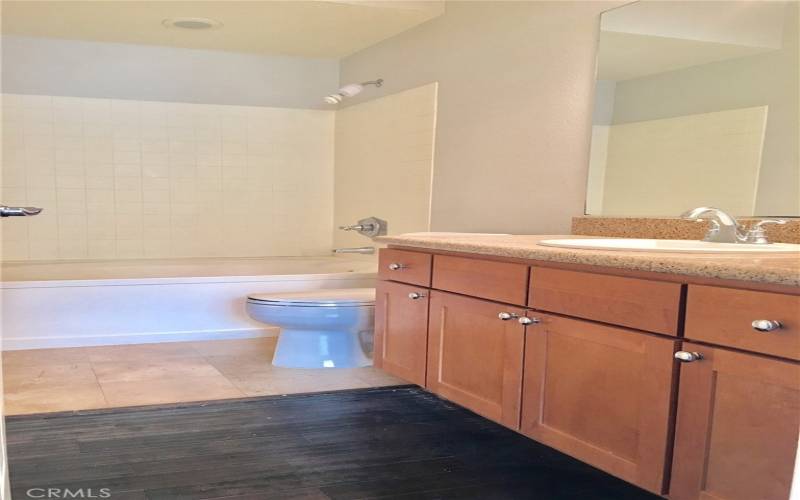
123 179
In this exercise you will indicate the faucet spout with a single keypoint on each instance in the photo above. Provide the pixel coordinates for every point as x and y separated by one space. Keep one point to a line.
697 213
724 227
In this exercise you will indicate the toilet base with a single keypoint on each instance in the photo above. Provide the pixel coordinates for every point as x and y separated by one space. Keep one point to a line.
322 349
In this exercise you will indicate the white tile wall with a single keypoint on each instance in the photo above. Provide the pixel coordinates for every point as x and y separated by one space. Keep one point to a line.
661 167
384 162
134 179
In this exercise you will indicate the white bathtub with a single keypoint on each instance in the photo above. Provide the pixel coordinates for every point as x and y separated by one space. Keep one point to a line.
83 303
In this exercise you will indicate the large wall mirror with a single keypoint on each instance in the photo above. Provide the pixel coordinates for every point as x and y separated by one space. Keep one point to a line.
697 104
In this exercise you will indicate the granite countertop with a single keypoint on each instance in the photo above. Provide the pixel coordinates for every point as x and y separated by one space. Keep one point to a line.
780 269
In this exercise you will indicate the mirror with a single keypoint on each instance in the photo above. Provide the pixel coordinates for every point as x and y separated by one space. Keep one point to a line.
696 104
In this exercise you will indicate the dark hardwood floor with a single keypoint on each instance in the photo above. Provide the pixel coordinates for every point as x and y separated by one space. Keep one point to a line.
374 443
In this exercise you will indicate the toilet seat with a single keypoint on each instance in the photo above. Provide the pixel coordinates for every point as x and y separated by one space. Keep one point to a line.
349 297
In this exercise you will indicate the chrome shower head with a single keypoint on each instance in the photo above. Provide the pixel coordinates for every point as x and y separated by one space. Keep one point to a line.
350 90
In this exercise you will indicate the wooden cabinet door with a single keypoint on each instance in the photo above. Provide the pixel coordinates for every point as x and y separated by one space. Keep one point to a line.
737 428
601 394
401 330
474 357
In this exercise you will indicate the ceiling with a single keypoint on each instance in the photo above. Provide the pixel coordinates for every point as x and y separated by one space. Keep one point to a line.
650 37
316 29
757 24
625 56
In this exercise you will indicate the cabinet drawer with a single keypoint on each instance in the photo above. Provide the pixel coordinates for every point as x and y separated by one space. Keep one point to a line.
725 316
500 281
405 266
636 303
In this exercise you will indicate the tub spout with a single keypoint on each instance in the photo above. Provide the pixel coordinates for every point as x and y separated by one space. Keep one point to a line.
19 211
364 250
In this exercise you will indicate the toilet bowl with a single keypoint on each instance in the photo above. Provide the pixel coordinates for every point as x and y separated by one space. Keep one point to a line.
319 329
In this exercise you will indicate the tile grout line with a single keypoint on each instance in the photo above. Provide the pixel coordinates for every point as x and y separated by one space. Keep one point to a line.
223 374
97 381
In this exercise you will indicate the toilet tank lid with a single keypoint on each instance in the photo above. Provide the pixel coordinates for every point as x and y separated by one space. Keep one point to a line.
338 296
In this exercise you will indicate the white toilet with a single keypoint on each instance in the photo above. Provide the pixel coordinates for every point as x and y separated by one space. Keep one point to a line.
321 328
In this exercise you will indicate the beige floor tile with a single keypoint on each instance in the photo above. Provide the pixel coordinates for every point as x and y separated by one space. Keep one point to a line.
156 369
94 377
140 352
379 378
288 381
18 377
242 365
262 347
44 357
49 398
169 391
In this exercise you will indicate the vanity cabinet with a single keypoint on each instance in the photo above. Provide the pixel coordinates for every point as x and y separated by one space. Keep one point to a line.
737 427
401 330
601 394
474 357
583 359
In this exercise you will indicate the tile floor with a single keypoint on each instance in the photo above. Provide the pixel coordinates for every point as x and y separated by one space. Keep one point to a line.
46 380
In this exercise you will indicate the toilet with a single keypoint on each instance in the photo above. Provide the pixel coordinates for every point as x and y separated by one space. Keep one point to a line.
320 328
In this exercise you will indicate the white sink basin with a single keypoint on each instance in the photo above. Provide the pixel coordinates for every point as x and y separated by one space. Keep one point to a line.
677 246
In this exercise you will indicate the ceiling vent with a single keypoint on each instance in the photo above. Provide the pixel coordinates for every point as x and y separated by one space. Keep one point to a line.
191 23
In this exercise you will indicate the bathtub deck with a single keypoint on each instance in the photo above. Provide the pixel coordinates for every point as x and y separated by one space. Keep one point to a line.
375 443
50 380
201 269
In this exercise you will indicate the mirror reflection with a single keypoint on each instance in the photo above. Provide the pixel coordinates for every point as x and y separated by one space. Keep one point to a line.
696 104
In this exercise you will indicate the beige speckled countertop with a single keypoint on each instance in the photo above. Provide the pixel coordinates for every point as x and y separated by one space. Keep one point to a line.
778 269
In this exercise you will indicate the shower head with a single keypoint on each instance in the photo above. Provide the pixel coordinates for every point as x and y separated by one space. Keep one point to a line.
350 90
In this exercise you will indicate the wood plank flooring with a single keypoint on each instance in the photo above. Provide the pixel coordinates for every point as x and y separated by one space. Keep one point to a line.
398 442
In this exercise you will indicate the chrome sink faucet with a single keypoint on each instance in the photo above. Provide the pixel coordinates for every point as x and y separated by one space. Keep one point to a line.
726 229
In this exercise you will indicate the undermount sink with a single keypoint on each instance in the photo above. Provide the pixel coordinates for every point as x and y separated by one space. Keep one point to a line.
677 246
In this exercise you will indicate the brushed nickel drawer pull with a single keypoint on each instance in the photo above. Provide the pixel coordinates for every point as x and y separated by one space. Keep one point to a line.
394 266
529 321
416 295
766 325
687 357
505 316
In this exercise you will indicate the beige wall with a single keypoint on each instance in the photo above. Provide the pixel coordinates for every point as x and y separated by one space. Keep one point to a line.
122 179
515 91
77 68
384 161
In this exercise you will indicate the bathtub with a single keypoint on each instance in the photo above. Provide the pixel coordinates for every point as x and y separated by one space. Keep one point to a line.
86 303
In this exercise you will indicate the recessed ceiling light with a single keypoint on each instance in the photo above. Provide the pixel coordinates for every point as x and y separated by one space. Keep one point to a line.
191 23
